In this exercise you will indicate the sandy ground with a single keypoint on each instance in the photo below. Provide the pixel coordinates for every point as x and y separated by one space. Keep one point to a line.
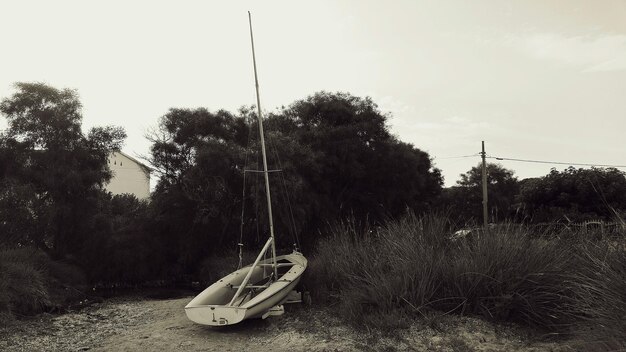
161 325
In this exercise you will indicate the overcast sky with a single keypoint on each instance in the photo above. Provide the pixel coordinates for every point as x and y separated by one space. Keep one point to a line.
543 80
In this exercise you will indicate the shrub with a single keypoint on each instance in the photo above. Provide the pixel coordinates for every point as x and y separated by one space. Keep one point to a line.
30 282
388 269
511 276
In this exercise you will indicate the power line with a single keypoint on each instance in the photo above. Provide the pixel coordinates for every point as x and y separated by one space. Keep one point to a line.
458 157
554 162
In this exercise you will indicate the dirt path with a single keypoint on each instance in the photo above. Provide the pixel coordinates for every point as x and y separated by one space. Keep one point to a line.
151 325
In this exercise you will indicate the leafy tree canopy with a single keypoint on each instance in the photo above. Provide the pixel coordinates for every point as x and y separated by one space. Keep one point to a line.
465 199
55 169
574 194
363 169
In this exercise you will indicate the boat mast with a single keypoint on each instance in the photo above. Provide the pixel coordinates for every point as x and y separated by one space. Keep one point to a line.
265 173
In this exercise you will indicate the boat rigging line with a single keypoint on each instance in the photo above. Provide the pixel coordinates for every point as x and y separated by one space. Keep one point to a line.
292 221
243 199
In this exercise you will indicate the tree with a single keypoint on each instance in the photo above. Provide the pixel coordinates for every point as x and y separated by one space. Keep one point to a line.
574 194
200 156
465 199
60 171
362 170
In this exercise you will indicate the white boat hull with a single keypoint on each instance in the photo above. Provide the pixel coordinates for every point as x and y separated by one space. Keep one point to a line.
211 306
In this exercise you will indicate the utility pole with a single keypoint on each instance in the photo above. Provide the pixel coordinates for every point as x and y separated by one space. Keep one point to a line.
485 211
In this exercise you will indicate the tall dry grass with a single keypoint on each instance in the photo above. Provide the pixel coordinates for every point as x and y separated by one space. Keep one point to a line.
382 277
601 296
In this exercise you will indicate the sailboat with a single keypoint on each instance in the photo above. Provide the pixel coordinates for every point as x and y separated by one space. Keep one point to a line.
260 289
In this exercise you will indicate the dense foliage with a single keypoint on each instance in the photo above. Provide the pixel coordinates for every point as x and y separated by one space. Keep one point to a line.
334 152
51 173
51 200
571 195
465 199
360 169
335 158
575 195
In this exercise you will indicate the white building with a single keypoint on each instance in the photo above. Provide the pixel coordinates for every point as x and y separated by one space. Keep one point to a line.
129 176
